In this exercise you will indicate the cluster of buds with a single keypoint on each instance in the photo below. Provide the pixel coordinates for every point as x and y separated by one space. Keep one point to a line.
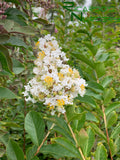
55 83
3 7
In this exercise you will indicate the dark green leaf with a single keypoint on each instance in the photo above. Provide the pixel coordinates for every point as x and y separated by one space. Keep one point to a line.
90 142
5 93
35 127
17 66
14 152
5 59
16 41
67 145
31 152
112 107
88 100
95 86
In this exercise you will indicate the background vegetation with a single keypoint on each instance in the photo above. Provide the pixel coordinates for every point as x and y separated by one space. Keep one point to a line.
91 128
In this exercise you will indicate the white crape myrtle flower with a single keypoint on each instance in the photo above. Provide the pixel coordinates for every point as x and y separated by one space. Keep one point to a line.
55 83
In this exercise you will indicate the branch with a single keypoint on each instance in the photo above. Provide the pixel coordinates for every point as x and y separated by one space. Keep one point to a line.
74 137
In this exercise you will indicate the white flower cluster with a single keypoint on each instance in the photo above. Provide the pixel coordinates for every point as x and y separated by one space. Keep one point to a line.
55 83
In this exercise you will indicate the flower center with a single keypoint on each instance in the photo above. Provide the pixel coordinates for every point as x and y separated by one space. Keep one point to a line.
82 87
60 102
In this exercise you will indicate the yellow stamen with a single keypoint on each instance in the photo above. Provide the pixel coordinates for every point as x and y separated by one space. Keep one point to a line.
41 55
61 76
49 80
70 70
82 87
51 107
60 102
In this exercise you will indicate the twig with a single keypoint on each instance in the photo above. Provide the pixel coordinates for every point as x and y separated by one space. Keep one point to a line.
74 137
38 149
105 121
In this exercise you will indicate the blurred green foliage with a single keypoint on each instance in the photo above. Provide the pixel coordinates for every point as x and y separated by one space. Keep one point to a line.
93 49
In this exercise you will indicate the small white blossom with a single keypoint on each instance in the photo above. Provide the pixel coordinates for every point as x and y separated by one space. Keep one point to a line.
55 83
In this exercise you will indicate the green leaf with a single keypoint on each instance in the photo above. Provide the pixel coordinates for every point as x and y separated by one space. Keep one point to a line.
113 147
112 107
14 152
81 137
60 122
35 127
16 15
95 86
108 95
57 151
117 143
90 141
89 92
4 138
13 1
111 118
84 31
41 21
100 69
5 59
91 117
31 152
88 100
101 152
97 130
95 30
67 145
106 81
83 58
13 27
9 124
77 116
92 48
115 131
49 27
63 132
16 41
17 66
5 93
